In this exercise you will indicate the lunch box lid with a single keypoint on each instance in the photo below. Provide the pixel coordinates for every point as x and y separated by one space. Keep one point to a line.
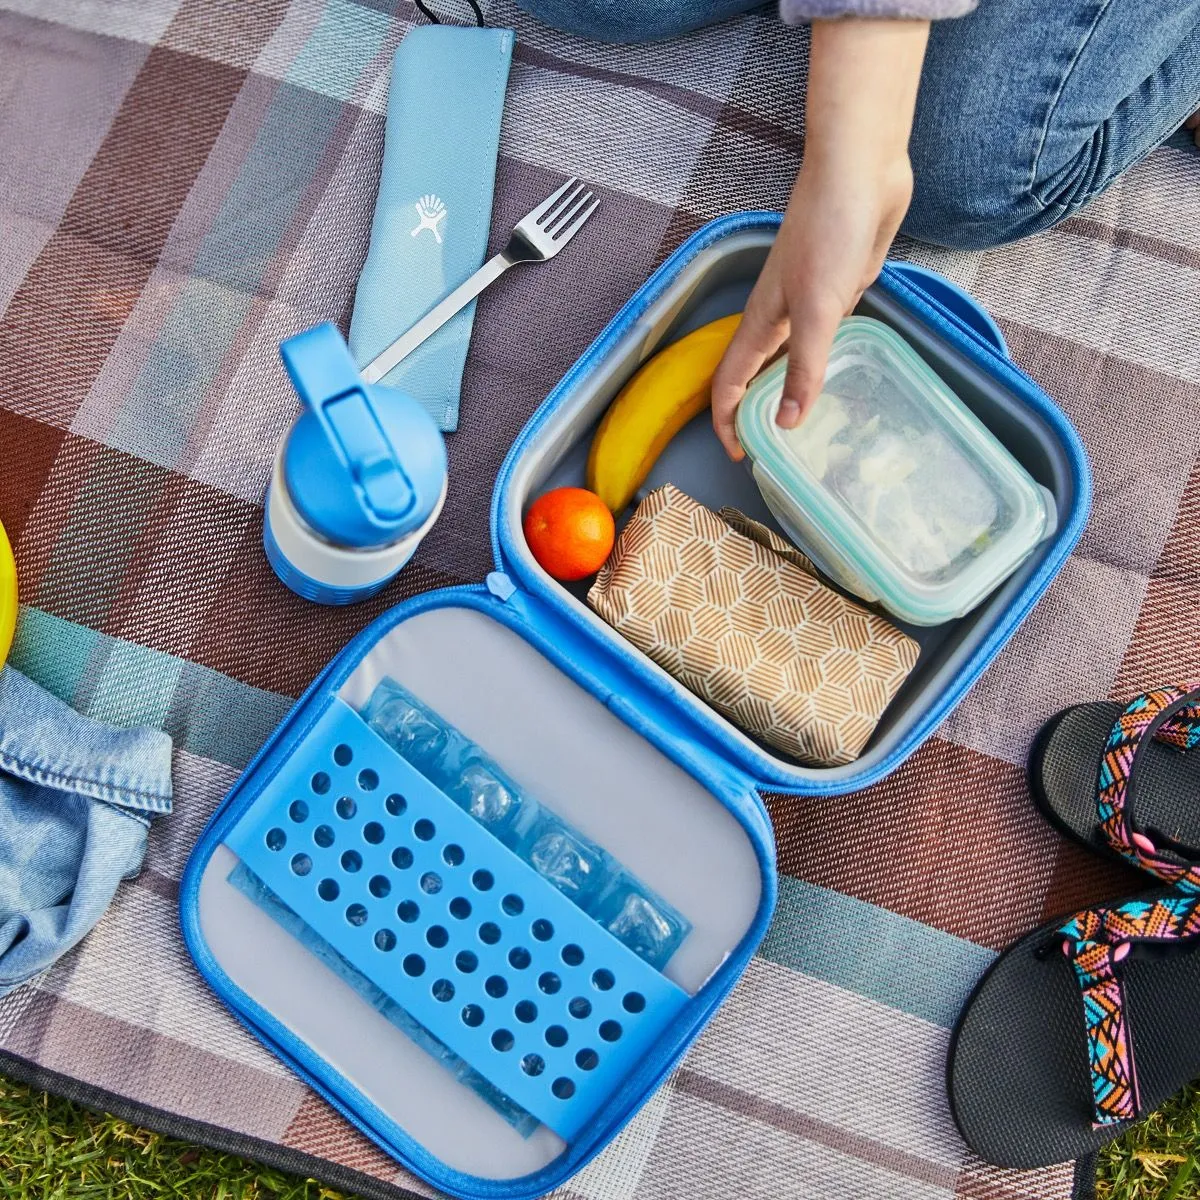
578 658
924 507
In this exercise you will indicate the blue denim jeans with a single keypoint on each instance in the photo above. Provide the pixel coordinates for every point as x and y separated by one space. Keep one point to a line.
1027 108
76 798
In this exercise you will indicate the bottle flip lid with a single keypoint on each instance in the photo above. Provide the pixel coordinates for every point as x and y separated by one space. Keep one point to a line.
364 464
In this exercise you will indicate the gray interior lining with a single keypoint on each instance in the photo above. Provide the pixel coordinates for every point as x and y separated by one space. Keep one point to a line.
715 284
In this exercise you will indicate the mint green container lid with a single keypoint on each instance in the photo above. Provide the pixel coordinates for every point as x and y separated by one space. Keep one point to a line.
891 484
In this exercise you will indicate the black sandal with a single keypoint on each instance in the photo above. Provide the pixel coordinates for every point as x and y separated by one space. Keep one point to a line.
1079 1030
1086 752
1035 1076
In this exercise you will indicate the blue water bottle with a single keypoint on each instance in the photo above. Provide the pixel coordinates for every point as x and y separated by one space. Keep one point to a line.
357 482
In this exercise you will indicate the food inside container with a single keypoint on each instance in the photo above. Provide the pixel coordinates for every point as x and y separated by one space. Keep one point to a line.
739 618
891 483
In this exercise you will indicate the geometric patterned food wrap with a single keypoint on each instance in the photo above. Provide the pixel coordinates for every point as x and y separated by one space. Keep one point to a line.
740 618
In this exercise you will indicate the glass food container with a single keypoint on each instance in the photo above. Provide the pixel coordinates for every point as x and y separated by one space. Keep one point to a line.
891 484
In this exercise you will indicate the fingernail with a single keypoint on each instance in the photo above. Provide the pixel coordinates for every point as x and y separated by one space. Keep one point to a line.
789 413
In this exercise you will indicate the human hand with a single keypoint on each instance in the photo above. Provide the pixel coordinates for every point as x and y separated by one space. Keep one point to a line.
835 235
848 202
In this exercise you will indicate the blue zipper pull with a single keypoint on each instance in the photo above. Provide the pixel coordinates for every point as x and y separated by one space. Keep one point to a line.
500 585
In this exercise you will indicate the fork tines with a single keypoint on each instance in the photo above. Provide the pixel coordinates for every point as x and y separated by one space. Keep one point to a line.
563 211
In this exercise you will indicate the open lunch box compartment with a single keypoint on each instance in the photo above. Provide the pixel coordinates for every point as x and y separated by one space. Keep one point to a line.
599 735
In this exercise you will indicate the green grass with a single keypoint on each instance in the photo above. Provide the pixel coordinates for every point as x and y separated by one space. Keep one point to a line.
1158 1159
52 1149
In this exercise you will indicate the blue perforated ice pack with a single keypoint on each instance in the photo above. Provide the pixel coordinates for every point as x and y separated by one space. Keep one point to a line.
459 930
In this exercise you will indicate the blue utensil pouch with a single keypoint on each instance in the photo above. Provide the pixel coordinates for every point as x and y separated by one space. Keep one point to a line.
496 870
434 207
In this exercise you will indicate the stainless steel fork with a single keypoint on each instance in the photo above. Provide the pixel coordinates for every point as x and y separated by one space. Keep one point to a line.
538 236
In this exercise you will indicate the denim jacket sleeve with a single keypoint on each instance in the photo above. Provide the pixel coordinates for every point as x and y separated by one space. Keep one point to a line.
76 800
796 12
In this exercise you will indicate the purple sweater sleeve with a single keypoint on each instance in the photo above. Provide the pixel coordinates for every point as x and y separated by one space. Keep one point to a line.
797 12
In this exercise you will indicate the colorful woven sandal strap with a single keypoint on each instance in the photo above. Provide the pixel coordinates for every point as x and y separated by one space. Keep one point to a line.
1096 942
1181 730
1170 715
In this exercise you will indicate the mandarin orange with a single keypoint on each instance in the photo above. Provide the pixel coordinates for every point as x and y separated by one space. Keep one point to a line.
570 532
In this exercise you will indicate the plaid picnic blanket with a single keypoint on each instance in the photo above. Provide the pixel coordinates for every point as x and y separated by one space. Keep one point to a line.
185 182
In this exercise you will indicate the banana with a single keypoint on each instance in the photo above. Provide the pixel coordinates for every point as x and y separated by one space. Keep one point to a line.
8 596
662 397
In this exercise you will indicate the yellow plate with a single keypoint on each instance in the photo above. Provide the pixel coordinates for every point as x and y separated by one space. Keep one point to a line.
8 596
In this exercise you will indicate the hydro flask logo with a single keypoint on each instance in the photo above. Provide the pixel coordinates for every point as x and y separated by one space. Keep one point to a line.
431 213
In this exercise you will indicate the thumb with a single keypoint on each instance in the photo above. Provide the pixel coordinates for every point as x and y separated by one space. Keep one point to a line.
813 327
757 338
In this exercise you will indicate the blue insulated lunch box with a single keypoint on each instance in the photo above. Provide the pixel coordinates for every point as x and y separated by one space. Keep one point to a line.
496 870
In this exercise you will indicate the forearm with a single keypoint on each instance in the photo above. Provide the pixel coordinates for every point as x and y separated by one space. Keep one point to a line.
862 91
850 196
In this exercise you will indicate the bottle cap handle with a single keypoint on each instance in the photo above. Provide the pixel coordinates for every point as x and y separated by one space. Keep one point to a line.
327 381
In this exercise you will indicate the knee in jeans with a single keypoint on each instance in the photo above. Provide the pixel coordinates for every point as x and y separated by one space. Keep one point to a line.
969 210
973 185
